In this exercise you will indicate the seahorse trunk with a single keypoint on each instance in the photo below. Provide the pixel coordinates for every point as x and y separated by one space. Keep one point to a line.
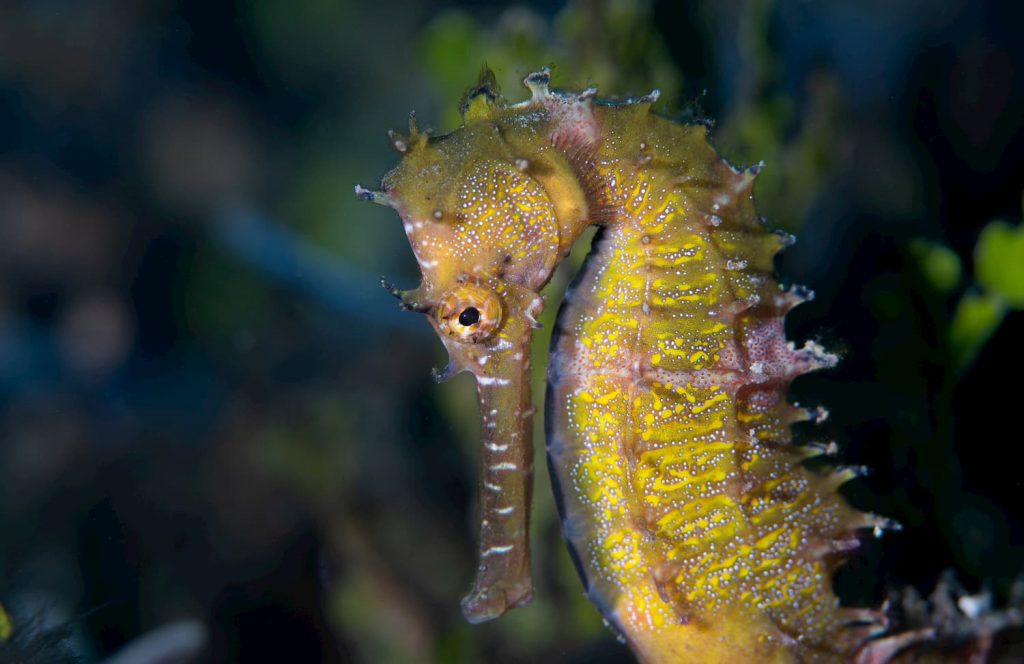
696 528
614 475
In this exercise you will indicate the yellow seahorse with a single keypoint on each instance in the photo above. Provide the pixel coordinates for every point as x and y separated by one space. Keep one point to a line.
696 529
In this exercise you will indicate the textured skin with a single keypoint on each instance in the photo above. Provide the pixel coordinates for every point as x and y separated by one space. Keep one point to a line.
669 427
696 530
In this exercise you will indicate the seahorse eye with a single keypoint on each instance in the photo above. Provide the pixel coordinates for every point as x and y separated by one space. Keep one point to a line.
469 313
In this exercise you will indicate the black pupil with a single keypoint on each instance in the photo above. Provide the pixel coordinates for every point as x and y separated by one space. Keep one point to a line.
469 316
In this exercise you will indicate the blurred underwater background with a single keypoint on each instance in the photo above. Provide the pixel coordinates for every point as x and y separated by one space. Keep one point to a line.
219 437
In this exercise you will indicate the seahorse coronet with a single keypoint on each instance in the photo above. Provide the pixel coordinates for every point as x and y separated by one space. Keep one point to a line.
696 528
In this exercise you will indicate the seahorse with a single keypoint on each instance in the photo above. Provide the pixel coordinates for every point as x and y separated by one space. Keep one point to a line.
695 526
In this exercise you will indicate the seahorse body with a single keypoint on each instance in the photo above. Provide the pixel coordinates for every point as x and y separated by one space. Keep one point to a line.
696 529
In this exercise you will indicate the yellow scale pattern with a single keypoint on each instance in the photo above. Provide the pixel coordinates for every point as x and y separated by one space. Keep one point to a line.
694 517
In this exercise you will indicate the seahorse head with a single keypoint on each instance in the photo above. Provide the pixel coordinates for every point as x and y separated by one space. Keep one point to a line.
485 208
